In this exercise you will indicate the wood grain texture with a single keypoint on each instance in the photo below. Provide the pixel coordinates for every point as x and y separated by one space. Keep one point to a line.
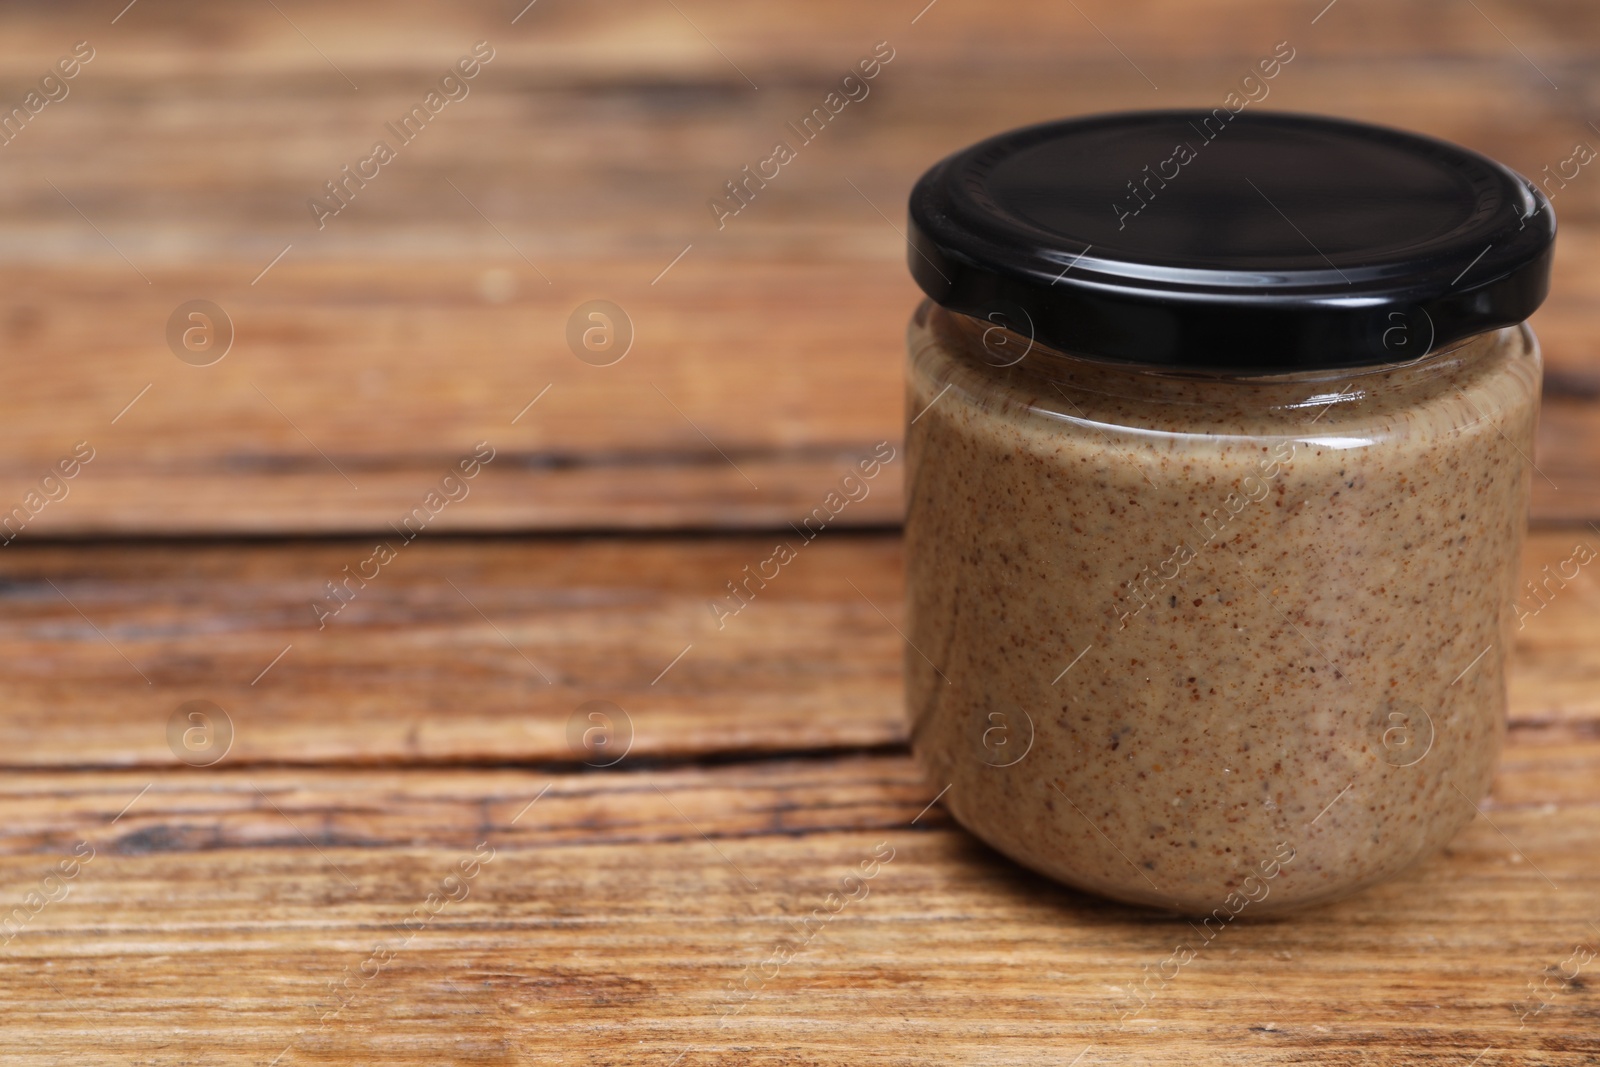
264 910
457 651
445 656
251 911
423 316
226 914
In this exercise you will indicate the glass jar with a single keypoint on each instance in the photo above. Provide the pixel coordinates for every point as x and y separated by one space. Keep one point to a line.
1210 555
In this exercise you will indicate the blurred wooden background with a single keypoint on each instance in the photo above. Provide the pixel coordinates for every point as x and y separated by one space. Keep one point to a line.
228 906
424 317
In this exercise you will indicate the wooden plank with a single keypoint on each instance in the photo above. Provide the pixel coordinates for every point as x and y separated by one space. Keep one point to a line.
420 319
736 436
410 672
240 915
368 37
456 651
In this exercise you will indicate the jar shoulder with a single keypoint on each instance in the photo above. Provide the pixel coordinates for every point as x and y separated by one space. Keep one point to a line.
985 377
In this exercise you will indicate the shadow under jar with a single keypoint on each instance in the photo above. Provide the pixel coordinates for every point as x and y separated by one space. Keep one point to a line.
1215 506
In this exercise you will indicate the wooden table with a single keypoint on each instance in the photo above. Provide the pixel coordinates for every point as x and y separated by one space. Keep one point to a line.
386 841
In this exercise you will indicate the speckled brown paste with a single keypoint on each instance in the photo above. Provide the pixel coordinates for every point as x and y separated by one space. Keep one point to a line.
1264 680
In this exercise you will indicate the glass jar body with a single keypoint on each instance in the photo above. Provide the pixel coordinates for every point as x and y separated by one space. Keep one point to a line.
1208 642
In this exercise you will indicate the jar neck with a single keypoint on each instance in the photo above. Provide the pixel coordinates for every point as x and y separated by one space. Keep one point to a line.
988 351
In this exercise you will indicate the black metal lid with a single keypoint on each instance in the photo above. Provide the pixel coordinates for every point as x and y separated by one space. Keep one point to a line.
1212 240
